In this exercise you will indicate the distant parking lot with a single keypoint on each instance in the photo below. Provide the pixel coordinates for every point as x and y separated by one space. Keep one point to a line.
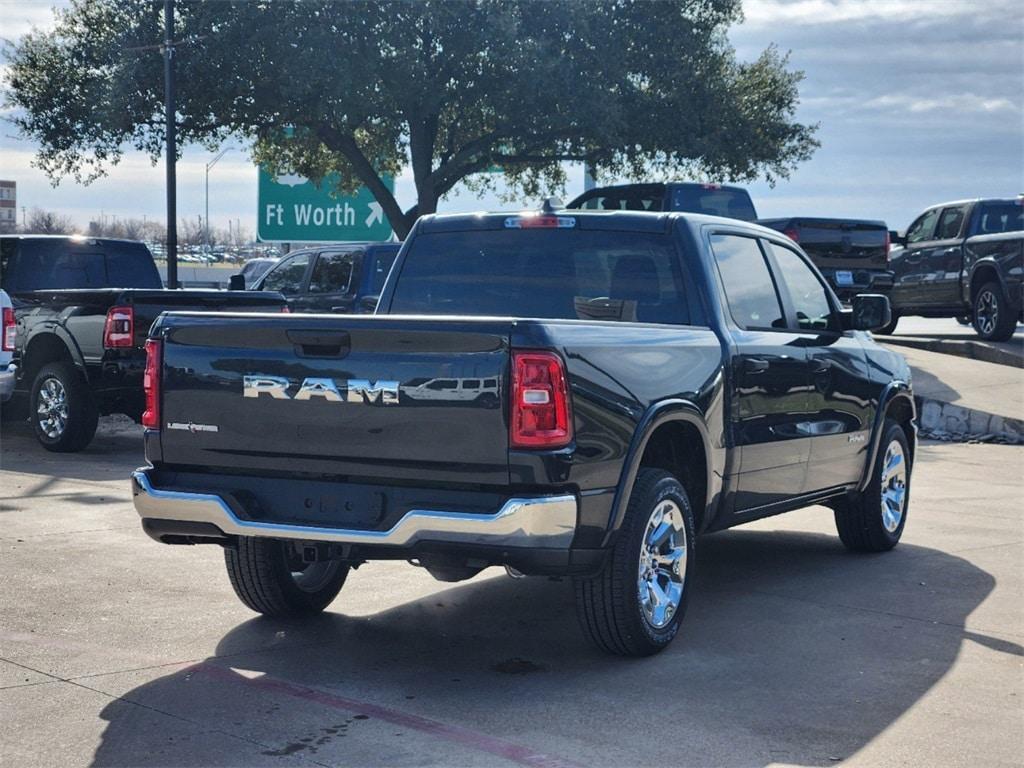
117 651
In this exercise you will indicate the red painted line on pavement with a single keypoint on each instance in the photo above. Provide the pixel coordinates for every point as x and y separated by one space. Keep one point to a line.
452 733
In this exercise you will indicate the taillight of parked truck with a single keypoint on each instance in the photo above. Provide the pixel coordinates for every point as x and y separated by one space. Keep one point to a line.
888 244
792 233
540 413
119 328
10 330
151 383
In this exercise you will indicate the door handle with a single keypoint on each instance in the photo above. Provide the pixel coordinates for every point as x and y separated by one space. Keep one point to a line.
822 365
755 365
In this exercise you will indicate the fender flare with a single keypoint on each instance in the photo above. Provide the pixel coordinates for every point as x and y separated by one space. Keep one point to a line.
894 390
987 263
65 338
654 417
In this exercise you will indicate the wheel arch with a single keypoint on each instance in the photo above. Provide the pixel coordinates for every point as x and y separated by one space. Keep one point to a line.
897 403
672 435
50 346
985 271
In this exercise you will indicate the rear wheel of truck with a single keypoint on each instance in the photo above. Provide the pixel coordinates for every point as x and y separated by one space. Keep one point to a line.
270 577
62 409
992 317
635 605
873 521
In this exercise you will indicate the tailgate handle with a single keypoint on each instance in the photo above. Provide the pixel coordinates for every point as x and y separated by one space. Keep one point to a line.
320 343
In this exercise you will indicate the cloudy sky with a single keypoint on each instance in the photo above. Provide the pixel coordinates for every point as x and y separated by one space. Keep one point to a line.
919 101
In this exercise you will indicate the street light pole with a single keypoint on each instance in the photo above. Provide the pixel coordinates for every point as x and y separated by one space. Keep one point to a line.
170 129
209 165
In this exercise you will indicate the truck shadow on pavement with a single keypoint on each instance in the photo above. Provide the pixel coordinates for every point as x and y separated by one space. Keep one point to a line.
793 651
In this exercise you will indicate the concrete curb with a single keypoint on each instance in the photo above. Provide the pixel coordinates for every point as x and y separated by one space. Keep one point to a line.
954 423
974 350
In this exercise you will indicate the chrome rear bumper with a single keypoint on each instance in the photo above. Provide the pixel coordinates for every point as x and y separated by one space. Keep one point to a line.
546 522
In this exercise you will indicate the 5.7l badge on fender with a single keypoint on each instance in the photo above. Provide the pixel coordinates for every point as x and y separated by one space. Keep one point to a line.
350 390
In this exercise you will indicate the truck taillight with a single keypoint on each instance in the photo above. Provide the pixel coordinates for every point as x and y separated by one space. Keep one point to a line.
119 328
151 383
792 233
888 244
10 330
540 413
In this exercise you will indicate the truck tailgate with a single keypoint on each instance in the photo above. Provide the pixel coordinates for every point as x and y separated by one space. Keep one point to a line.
371 398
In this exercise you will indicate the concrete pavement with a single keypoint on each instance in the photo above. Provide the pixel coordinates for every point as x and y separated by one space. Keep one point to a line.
119 651
947 336
966 399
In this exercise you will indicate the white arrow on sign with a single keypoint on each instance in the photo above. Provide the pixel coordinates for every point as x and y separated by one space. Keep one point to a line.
376 214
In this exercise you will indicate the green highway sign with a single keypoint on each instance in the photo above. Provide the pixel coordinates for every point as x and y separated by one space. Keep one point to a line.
294 210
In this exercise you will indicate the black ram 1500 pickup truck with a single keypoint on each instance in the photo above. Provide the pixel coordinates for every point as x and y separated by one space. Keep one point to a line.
83 308
565 393
963 259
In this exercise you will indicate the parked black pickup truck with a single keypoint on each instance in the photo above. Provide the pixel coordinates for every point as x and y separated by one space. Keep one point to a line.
83 308
337 278
852 254
572 393
963 259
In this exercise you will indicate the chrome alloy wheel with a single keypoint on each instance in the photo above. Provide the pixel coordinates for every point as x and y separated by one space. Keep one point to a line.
987 312
894 486
52 410
662 569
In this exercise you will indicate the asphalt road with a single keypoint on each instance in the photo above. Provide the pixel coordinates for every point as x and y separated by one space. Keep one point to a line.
117 651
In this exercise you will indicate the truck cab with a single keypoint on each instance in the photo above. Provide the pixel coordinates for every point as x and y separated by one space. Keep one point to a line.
345 278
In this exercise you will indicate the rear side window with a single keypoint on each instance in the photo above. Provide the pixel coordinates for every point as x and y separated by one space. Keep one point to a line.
287 276
714 201
923 228
8 247
332 273
382 263
624 199
999 217
949 223
60 264
568 274
749 288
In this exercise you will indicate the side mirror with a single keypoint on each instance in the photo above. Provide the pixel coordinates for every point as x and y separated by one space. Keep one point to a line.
871 311
895 238
236 282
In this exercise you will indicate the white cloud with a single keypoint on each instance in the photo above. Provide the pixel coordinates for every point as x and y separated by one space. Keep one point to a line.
20 17
774 12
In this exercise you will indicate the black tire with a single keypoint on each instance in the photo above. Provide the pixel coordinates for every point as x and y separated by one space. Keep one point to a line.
992 317
861 519
61 408
889 329
262 575
609 605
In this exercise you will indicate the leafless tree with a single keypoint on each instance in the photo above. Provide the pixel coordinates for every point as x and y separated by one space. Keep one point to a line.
42 222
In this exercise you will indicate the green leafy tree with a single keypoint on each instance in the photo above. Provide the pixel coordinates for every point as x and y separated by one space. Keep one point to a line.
639 89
